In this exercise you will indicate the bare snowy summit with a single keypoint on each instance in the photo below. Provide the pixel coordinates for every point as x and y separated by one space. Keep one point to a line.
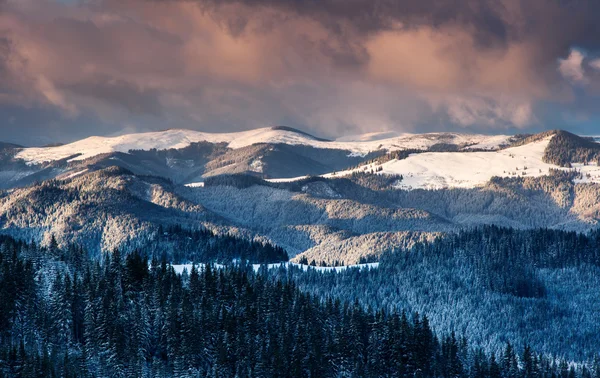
281 153
180 138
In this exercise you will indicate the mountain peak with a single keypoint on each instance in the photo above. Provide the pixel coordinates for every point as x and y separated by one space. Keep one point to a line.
6 145
303 133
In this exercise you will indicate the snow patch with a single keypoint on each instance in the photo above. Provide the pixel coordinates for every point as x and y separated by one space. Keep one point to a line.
195 185
73 174
257 165
287 179
321 268
179 268
438 170
588 174
370 137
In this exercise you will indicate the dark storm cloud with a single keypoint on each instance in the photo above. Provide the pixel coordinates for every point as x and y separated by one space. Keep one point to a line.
4 54
376 15
491 19
552 27
557 24
119 94
330 66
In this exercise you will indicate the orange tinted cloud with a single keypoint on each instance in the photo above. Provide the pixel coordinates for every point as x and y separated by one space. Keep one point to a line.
365 65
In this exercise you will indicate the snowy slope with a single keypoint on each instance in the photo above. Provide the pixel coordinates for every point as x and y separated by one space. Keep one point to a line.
469 169
161 140
176 139
371 137
438 170
391 140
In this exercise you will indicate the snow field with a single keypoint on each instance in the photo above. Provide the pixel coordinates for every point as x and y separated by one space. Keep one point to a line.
177 139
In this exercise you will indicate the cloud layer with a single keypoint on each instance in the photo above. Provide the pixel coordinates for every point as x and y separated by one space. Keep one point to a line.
328 66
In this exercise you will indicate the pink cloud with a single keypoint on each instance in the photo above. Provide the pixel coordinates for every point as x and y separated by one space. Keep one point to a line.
201 61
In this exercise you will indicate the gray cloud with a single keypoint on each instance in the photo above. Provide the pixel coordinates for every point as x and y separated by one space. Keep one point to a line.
119 93
328 66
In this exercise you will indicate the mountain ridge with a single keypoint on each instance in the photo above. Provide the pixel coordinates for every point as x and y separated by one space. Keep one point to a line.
332 219
186 156
283 153
181 138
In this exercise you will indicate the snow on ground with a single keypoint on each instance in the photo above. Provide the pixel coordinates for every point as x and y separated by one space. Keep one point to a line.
469 169
391 140
325 268
492 142
370 137
71 175
188 267
95 145
180 268
438 170
589 173
176 138
195 185
257 165
287 179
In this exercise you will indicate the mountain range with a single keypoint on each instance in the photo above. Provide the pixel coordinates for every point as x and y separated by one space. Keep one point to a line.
334 201
186 156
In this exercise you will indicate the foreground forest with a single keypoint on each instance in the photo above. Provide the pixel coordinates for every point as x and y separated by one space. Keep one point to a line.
65 315
537 287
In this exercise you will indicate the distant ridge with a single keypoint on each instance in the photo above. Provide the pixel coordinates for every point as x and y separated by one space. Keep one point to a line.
425 161
293 130
5 145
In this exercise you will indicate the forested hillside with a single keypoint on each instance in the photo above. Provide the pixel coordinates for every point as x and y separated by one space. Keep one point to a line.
346 219
66 315
492 284
331 219
181 245
566 148
113 208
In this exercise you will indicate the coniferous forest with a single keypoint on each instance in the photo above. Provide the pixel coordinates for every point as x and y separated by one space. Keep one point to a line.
493 284
66 315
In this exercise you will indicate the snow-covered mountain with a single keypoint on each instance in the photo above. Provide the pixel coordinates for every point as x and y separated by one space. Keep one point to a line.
322 219
534 156
325 200
186 156
437 170
357 200
424 161
179 139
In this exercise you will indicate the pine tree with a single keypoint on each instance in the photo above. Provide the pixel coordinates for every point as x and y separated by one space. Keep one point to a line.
60 313
528 363
495 371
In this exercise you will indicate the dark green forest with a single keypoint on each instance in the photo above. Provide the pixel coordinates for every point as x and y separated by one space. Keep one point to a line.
66 315
493 284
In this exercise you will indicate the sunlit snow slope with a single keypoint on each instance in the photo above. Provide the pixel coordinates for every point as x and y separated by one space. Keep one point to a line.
437 170
176 139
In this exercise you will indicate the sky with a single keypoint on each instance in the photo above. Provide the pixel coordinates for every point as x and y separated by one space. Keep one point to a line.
75 68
